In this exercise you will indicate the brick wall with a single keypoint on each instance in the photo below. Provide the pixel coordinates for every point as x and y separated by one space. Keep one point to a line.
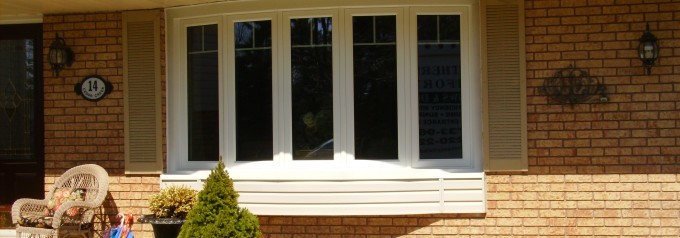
637 130
595 169
78 131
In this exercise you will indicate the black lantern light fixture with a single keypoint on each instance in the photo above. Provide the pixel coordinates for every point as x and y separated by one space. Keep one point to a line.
60 55
648 49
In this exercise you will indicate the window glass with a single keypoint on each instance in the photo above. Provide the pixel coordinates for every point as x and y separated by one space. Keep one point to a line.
312 88
439 84
375 87
17 104
254 128
202 74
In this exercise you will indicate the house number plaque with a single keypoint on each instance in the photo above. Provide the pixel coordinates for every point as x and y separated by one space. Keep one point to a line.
93 88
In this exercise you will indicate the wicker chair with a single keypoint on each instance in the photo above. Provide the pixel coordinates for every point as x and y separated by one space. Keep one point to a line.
71 218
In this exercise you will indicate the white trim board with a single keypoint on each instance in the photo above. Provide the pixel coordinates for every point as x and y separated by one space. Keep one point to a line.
379 195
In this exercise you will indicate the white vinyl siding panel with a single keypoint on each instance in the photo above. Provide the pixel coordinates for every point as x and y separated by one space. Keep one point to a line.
356 196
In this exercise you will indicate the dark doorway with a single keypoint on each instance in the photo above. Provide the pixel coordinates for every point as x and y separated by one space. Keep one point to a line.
21 113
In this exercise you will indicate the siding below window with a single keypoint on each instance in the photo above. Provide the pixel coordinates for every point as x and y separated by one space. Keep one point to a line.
458 193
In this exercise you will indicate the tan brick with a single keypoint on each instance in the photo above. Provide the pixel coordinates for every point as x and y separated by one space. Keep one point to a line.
661 178
645 222
663 213
607 230
367 230
640 178
456 222
445 230
497 179
379 221
638 231
523 179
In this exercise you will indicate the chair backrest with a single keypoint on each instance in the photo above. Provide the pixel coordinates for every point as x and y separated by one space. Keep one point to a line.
91 178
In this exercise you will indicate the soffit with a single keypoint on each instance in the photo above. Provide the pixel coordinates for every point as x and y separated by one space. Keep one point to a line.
13 9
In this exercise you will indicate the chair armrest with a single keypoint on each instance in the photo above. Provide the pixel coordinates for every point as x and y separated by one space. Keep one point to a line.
61 211
27 205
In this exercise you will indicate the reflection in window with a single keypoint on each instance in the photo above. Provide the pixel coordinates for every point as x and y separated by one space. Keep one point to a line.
17 93
439 79
375 87
312 88
202 90
254 128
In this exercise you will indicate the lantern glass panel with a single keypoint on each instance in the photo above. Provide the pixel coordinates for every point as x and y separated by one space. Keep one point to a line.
648 50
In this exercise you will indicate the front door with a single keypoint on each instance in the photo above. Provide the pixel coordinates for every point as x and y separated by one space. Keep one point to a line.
21 113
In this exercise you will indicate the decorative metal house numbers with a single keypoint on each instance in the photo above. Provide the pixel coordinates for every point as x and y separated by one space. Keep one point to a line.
93 88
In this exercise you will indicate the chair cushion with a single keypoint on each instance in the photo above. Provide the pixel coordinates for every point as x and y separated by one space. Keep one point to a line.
35 221
46 222
62 195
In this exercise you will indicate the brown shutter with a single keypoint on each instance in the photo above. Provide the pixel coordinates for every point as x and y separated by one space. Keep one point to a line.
504 83
142 92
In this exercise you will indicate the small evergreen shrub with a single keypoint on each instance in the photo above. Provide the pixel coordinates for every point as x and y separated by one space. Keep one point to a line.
217 213
173 202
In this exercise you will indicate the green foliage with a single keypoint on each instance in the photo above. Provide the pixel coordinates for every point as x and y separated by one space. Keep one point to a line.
173 201
217 213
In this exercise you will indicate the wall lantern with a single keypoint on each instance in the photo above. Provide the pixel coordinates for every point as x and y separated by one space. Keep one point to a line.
648 49
60 55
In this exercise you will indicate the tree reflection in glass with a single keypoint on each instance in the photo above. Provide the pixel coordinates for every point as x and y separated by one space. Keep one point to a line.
375 87
312 88
254 128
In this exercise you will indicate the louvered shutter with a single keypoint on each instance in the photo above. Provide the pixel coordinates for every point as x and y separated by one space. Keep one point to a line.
142 92
504 83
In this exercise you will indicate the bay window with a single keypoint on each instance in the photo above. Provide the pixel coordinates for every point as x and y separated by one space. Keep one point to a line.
373 95
392 87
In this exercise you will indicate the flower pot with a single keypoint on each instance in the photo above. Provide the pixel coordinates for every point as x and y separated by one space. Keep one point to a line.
163 227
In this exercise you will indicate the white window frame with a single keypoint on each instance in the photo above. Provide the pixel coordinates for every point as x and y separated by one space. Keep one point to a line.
404 141
177 108
342 86
230 142
470 97
338 156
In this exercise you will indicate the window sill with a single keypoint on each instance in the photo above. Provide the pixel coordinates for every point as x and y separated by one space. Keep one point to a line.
351 192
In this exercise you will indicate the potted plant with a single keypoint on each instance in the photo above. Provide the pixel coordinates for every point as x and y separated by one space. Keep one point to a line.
217 213
170 208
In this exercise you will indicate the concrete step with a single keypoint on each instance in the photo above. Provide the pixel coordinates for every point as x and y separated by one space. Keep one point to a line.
7 233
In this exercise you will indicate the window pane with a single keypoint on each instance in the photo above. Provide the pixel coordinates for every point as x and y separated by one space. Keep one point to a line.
375 88
362 28
210 43
17 106
385 29
321 30
195 38
427 28
300 31
254 129
243 35
439 100
312 88
202 89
